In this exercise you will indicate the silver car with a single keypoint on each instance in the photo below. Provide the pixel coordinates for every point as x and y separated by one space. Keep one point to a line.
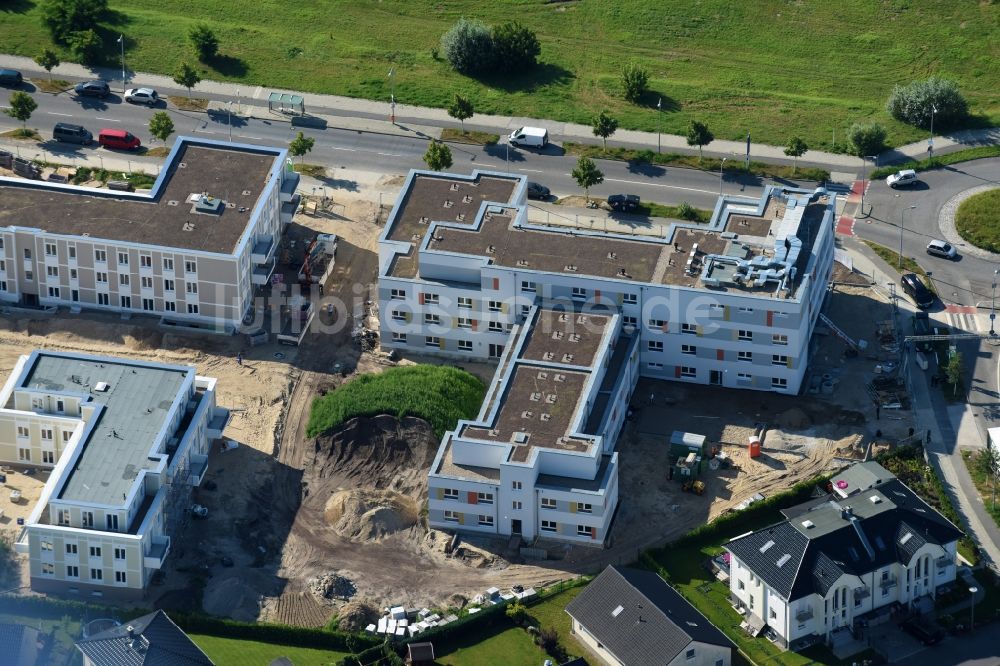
145 96
939 248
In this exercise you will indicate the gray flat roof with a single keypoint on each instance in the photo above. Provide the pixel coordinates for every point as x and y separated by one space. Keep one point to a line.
136 405
235 175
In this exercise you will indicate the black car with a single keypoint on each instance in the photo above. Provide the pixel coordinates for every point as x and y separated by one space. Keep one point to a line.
10 78
93 89
624 203
917 290
538 191
923 633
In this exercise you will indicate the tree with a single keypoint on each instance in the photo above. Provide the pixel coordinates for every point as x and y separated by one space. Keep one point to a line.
205 43
468 47
22 105
461 109
586 174
604 126
62 18
47 60
438 156
86 46
917 102
953 371
187 76
161 126
515 48
866 139
635 81
517 613
699 135
796 148
301 145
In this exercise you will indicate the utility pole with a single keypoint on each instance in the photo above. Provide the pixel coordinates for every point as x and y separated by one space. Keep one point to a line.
659 117
121 41
721 167
392 95
930 140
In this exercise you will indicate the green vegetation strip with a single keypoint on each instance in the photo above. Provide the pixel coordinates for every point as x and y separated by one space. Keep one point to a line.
978 464
237 652
909 264
694 162
311 170
976 220
440 395
982 152
475 138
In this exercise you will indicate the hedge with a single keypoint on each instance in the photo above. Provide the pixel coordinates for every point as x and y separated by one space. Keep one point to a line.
938 161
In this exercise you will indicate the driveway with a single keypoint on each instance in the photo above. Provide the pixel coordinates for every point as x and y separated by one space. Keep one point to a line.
897 645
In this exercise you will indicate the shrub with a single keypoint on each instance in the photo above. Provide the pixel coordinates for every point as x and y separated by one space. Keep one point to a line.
468 47
515 48
688 212
205 43
440 395
915 103
63 18
635 81
867 139
517 613
438 156
86 46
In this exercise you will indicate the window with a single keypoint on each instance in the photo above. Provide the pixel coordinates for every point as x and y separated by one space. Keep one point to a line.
48 457
486 521
690 329
584 508
22 432
190 266
126 301
495 306
495 327
779 382
169 306
516 485
450 494
465 345
88 521
398 294
48 569
579 292
689 654
112 522
688 372
779 359
484 498
655 366
120 577
71 549
583 530
549 526
516 505
747 310
53 292
431 299
73 274
451 516
71 250
96 574
432 319
398 315
399 337
3 285
46 546
101 256
744 356
690 350
744 377
123 258
24 455
740 585
745 335
191 287
145 261
629 321
528 286
192 308
123 279
779 339
27 253
119 553
465 322
95 551
168 285
432 341
3 265
29 276
168 264
773 614
146 282
465 302
656 323
101 277
548 503
655 345
103 299
72 571
52 271
62 517
630 299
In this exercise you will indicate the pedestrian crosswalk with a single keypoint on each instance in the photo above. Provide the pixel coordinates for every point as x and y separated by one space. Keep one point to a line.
962 320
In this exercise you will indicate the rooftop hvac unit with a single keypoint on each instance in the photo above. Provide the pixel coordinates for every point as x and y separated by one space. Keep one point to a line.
520 438
102 386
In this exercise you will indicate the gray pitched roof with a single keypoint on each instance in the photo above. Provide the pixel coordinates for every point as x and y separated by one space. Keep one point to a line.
18 644
639 618
156 641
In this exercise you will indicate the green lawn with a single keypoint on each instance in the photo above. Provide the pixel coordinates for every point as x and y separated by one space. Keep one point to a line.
976 220
909 264
514 645
772 67
234 652
977 464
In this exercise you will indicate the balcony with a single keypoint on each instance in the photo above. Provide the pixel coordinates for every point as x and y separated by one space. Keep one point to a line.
862 593
158 551
217 423
263 250
261 275
199 464
943 562
887 583
288 208
289 184
804 614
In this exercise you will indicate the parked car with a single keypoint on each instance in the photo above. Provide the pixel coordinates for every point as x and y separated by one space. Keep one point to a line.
10 78
145 96
118 139
917 290
95 88
922 326
624 203
538 191
939 248
533 137
925 634
70 133
903 178
199 511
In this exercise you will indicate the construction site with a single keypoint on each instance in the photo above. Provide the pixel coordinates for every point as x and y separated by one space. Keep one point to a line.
299 529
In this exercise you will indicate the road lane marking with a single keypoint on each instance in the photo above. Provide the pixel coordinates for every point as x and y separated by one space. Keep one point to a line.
672 187
247 136
349 150
53 113
392 154
110 120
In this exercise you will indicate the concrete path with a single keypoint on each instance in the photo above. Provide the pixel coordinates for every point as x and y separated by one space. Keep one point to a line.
374 116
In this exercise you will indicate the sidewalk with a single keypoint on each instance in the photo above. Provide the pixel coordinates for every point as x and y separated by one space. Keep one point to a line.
367 115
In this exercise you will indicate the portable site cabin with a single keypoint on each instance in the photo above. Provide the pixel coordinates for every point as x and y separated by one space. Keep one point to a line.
688 449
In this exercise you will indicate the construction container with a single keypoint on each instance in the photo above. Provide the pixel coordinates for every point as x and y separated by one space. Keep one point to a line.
754 447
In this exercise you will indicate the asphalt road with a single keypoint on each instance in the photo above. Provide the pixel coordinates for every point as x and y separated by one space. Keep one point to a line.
385 153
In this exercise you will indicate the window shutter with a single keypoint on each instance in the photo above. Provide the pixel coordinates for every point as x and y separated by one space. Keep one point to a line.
677 371
496 284
475 324
440 343
473 497
461 518
597 295
439 492
770 317
503 308
720 355
420 298
408 316
572 507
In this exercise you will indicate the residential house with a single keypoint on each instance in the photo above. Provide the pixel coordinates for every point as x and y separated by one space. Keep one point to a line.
150 640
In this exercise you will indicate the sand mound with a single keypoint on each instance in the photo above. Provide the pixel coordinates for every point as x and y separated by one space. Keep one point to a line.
370 515
356 615
794 418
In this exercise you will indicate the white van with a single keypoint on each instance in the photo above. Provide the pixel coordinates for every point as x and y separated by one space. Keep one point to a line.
534 137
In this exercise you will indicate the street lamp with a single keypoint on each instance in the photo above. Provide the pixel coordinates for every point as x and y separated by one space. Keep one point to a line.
721 167
230 121
864 177
930 140
993 303
392 95
659 116
121 40
972 607
902 216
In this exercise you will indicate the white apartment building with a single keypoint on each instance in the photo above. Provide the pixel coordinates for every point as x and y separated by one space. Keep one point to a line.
841 562
539 460
731 303
193 249
125 441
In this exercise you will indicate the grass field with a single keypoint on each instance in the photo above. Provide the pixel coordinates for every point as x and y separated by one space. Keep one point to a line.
774 68
976 220
977 464
232 652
